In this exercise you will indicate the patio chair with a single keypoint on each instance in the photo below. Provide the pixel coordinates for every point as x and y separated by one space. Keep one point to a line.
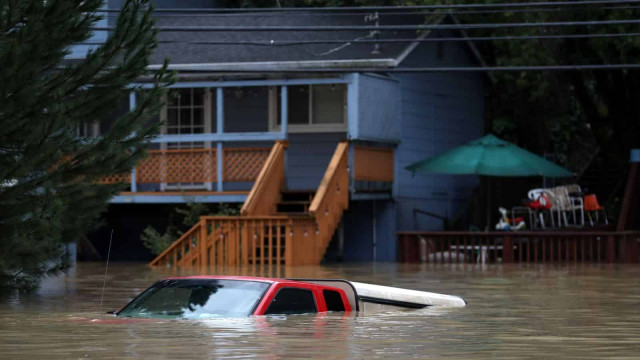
541 205
561 204
591 205
577 203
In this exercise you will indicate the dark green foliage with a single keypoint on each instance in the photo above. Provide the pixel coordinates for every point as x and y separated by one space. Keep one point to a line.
189 215
49 190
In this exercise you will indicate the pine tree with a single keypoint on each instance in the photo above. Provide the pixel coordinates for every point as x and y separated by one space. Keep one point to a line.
49 176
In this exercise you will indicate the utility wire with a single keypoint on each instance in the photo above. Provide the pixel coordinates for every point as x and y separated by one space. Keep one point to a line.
409 7
369 41
389 27
428 69
387 12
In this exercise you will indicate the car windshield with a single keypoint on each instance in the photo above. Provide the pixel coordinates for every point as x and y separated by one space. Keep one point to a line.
196 299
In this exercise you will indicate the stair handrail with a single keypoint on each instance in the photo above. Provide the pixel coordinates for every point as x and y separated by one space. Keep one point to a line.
271 175
179 241
337 166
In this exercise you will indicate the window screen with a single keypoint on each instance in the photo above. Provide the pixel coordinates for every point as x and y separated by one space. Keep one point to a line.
328 104
292 301
333 300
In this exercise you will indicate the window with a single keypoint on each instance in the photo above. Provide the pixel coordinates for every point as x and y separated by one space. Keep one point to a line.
333 300
185 114
312 108
88 129
292 301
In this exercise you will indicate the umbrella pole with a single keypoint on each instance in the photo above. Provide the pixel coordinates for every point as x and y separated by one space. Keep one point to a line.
488 227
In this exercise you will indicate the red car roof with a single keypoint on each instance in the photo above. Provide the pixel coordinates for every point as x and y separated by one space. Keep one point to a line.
229 277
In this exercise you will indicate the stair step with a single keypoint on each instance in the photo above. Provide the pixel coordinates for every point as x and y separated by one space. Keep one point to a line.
297 195
293 206
296 214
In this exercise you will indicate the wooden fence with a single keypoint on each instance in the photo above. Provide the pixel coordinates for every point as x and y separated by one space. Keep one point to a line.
450 247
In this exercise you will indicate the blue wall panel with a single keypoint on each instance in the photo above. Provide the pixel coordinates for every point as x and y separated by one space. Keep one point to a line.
246 109
439 111
308 157
379 108
359 227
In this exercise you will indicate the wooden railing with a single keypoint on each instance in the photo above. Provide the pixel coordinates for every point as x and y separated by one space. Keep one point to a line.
450 247
243 240
372 163
265 192
254 238
196 166
331 199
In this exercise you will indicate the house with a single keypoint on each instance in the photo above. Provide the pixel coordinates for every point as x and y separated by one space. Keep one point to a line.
247 125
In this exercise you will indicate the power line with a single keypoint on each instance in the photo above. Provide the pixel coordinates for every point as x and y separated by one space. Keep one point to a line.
387 27
428 69
410 7
370 41
381 13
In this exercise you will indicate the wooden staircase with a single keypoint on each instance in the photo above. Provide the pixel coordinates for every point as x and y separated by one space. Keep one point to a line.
276 226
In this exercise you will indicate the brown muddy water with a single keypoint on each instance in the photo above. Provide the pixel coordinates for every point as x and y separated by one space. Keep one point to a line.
513 312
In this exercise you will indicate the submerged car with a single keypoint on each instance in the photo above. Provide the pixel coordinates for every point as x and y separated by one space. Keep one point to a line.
203 297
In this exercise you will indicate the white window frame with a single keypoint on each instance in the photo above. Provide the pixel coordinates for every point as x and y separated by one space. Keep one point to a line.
305 128
208 123
91 129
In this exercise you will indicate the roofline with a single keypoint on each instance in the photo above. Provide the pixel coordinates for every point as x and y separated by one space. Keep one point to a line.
412 46
472 47
274 66
282 65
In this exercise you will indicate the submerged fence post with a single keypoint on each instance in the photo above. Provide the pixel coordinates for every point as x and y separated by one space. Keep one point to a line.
611 249
507 250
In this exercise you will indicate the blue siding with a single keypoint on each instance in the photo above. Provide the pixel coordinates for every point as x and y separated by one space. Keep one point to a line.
359 227
308 157
246 109
379 109
438 112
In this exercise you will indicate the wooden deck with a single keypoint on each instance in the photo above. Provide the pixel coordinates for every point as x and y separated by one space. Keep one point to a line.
451 247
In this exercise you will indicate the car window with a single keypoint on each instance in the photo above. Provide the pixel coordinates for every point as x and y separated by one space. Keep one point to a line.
333 300
292 301
197 299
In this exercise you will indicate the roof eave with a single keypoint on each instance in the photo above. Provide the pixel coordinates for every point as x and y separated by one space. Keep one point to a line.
274 66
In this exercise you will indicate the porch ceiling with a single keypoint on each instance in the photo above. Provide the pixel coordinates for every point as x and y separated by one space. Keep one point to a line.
179 197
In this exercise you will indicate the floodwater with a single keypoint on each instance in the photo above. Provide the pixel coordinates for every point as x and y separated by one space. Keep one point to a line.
513 312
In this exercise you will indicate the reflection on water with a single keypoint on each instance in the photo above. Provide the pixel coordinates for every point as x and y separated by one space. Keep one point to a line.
550 311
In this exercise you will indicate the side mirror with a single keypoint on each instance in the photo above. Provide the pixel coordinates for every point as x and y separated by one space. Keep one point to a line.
112 312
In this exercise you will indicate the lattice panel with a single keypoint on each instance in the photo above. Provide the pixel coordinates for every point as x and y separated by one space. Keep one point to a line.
244 164
178 166
116 178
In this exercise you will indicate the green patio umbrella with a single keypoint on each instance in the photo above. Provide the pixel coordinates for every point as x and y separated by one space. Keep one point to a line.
489 156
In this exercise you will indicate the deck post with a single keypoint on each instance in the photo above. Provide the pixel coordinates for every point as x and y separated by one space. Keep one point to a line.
219 131
132 105
507 249
629 247
284 111
202 243
611 249
134 186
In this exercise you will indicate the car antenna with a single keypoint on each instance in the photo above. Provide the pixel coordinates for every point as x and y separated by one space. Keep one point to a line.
104 283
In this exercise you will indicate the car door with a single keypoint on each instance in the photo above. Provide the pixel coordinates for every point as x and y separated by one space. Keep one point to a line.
290 298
